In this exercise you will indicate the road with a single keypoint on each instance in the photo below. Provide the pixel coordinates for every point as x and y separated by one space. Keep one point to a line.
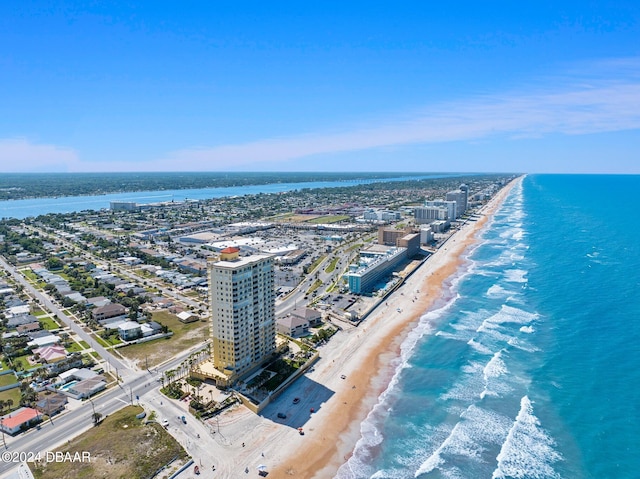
118 268
114 361
137 387
142 384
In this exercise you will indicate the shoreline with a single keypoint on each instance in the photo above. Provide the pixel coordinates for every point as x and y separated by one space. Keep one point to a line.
369 361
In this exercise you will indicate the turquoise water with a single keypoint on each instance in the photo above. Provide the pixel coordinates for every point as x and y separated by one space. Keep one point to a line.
530 365
69 385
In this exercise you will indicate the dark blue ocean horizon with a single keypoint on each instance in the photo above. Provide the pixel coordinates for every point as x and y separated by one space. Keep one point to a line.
532 368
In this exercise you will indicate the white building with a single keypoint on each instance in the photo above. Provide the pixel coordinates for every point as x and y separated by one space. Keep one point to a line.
460 196
242 311
428 214
452 207
129 330
426 234
381 215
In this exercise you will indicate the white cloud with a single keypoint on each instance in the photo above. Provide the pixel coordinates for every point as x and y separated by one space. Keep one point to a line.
20 155
601 97
578 110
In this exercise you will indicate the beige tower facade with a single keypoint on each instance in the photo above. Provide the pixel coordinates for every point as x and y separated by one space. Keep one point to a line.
242 311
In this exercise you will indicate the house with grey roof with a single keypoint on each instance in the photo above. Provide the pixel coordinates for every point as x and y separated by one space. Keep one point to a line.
293 326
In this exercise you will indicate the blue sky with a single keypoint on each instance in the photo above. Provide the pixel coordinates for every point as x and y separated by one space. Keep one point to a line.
320 86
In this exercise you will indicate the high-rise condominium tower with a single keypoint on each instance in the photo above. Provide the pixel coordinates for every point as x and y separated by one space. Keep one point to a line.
242 311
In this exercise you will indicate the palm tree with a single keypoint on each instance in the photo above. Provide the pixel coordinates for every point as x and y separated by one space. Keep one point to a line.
96 418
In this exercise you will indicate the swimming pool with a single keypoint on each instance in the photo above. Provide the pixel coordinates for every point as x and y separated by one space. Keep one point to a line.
68 386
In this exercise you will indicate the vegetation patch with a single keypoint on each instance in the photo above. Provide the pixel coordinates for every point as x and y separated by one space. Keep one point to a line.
152 353
316 284
301 218
120 446
282 370
328 219
74 347
48 323
7 379
10 397
332 265
309 269
355 246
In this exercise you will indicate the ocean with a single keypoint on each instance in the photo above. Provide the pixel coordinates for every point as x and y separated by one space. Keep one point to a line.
530 365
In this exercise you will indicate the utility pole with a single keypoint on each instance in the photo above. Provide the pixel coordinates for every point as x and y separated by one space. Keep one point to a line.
2 428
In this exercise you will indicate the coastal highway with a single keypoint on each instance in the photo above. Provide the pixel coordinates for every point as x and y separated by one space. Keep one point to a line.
73 422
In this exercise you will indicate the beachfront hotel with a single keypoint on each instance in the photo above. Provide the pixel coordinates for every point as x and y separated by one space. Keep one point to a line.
374 268
242 314
461 197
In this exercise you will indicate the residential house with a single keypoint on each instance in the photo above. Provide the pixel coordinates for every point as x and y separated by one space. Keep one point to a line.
28 328
129 330
20 320
19 420
51 354
43 340
293 326
311 315
51 403
187 317
110 310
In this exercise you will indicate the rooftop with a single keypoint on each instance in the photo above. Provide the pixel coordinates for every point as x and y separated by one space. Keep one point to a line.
20 416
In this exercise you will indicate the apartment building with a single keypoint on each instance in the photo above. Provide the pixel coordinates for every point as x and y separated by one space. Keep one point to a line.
242 311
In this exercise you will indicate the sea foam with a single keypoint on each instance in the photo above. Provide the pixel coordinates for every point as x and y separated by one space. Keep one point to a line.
528 452
469 438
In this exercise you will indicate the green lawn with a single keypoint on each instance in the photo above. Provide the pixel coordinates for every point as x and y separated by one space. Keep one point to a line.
7 379
23 361
184 336
355 246
84 344
315 264
13 394
143 273
328 219
112 341
121 446
332 265
48 323
29 274
74 347
316 284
